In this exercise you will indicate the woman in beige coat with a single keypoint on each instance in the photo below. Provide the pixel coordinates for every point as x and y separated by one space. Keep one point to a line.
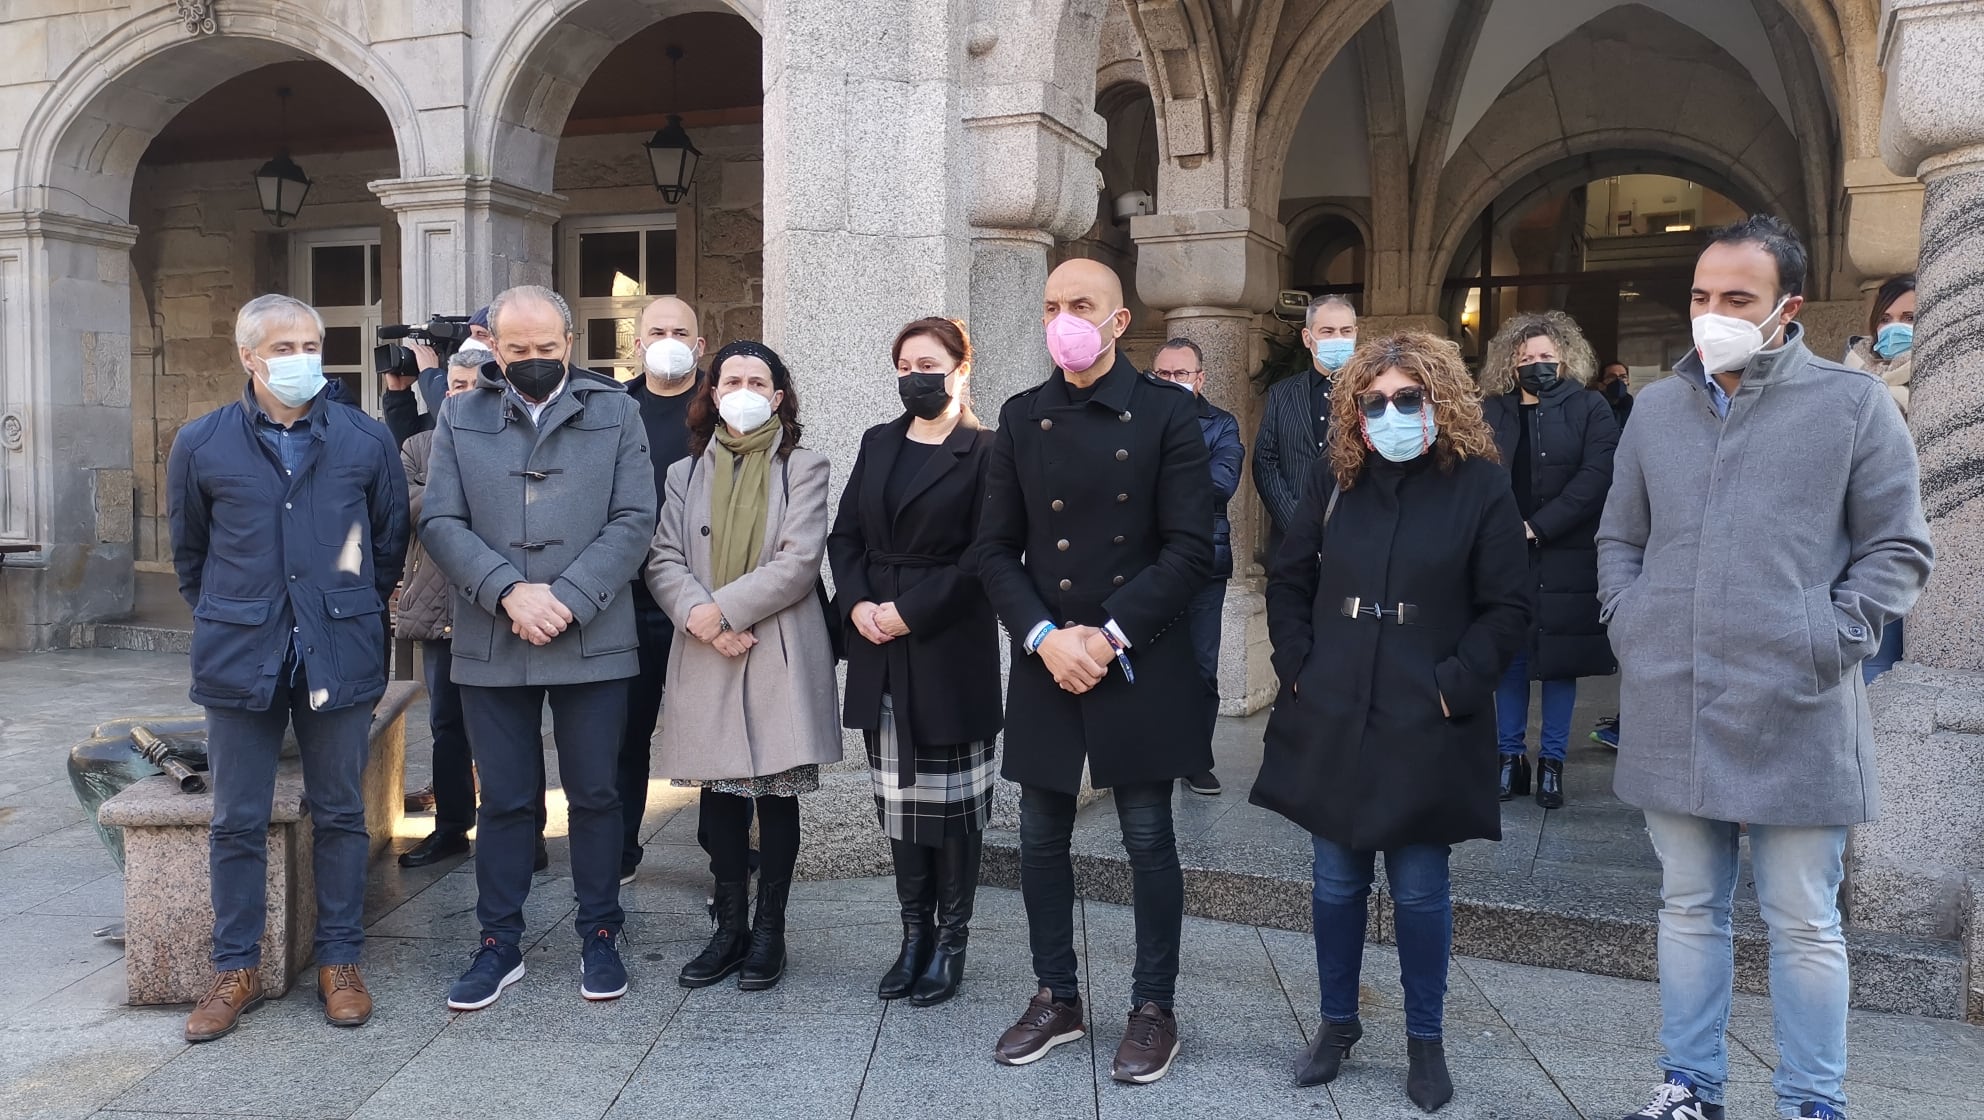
750 715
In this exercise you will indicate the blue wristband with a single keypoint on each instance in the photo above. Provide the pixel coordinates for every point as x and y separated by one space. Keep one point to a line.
1040 635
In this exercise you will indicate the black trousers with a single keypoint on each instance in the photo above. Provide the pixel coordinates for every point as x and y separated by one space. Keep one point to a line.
724 830
657 635
454 764
505 732
1047 886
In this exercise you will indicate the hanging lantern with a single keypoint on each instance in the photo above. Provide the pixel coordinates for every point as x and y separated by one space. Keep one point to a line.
281 184
671 156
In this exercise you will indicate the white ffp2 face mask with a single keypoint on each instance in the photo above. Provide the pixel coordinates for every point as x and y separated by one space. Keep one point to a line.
1727 343
670 359
744 410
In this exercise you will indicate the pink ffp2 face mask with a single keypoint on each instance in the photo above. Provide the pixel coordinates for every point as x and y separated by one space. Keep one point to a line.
1073 342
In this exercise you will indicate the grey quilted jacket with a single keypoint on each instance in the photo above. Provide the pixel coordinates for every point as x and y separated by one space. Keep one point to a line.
426 611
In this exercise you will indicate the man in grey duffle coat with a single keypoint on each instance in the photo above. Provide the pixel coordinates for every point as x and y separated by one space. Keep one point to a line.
1764 523
539 507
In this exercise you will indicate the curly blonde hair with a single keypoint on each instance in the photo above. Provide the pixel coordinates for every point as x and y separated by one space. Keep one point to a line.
1575 361
1435 363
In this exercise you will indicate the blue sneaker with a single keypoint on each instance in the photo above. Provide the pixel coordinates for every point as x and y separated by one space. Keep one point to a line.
1606 734
1676 1100
494 967
599 961
1821 1111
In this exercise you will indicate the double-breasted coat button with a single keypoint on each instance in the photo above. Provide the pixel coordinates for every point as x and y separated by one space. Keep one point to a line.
1125 416
1062 544
1046 425
706 530
1067 585
1122 497
1056 505
1118 581
1122 454
1118 540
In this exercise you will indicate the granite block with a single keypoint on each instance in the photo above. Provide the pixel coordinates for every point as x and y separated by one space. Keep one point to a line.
694 1069
169 915
474 1079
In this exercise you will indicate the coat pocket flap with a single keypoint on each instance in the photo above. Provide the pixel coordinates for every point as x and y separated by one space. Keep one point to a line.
350 602
239 612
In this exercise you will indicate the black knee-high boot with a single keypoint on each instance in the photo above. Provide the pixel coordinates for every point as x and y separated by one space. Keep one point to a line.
916 890
957 890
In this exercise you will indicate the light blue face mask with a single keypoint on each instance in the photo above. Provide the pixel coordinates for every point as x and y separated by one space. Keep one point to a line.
1399 438
295 379
1894 340
1331 353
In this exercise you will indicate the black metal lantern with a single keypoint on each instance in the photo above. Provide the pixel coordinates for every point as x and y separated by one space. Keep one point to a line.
673 159
671 156
281 184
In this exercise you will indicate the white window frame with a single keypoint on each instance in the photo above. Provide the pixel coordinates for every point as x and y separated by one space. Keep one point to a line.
367 318
624 366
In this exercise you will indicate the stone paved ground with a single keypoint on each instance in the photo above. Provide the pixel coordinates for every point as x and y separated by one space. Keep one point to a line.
1526 1042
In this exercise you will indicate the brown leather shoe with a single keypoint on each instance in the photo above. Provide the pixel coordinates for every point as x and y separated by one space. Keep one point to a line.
1148 1045
234 993
1046 1023
420 800
342 992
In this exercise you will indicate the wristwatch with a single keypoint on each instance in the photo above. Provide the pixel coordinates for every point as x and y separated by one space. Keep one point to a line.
722 625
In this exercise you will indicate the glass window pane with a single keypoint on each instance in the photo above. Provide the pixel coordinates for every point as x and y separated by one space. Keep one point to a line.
609 264
661 262
343 346
337 275
608 339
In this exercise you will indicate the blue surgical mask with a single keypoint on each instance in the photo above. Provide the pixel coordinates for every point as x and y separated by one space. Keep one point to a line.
1401 438
295 379
1894 340
1331 353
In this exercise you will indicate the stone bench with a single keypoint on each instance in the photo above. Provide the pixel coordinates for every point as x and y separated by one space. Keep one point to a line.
168 910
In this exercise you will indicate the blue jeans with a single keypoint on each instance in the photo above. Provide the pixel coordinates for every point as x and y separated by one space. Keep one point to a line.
1887 655
1798 872
1422 916
1512 711
242 751
1157 884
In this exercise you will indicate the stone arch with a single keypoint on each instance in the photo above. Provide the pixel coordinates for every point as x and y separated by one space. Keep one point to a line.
1341 225
1273 107
1595 157
519 105
84 139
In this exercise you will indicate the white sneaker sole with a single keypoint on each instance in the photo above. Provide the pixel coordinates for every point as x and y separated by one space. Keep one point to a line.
1057 1040
1147 1078
515 975
597 997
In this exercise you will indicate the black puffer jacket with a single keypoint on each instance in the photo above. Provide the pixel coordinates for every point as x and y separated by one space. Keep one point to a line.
1570 469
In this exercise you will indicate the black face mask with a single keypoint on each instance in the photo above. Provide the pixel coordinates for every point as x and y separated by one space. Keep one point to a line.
923 394
535 377
1615 390
1538 377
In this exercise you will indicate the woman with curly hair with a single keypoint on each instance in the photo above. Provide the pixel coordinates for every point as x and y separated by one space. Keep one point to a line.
1394 604
1557 442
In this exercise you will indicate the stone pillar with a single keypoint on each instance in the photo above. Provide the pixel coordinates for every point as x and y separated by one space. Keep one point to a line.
464 239
1909 869
1214 273
65 424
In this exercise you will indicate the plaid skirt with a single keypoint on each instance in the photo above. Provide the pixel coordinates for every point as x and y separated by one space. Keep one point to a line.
953 791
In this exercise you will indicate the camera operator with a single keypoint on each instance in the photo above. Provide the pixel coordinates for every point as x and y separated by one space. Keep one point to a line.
397 405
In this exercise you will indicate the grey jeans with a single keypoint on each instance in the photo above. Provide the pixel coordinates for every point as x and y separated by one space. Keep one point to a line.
242 749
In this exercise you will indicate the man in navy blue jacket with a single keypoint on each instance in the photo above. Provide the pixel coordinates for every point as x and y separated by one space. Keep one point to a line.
289 529
1182 364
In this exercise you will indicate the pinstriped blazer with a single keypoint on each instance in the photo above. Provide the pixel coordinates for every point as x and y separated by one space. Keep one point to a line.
1285 449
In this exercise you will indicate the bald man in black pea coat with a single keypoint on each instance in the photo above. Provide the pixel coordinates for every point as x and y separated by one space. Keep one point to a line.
1093 539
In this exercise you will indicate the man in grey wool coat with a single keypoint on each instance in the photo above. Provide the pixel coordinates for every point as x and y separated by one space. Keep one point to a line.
1765 522
539 507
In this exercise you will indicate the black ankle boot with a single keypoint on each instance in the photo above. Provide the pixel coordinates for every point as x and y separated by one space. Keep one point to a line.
765 962
1427 1082
724 955
957 890
1325 1056
916 887
1515 775
1550 783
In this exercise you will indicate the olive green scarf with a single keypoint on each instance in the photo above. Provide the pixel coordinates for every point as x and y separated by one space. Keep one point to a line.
740 495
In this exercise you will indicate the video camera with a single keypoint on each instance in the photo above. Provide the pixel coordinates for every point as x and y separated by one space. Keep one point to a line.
445 333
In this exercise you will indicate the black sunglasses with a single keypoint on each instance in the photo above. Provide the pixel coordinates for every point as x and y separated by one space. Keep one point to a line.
1409 401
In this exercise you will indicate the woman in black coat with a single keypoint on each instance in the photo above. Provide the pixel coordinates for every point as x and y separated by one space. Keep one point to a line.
922 649
1394 605
1556 440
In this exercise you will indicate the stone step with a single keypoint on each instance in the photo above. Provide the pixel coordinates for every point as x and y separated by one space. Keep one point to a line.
1584 926
131 636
